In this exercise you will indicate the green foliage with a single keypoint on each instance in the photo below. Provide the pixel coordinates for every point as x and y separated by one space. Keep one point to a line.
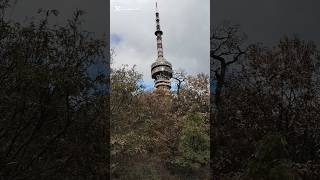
193 148
270 162
271 147
139 170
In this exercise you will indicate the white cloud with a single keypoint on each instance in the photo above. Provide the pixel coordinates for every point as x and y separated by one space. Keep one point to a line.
185 26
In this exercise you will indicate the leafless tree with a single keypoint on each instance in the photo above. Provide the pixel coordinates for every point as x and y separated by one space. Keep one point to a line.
179 76
226 49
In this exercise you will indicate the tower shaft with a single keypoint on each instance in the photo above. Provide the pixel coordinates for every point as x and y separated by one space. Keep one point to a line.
161 70
159 33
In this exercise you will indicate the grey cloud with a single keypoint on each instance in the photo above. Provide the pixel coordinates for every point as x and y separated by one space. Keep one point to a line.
185 39
269 20
185 25
96 16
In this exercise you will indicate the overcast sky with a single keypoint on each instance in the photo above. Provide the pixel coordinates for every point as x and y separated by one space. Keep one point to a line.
268 20
96 16
186 30
185 24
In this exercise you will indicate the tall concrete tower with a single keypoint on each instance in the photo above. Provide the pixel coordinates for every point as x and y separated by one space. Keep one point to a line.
161 70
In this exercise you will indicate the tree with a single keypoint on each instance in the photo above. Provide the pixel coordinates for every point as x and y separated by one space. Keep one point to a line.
273 91
270 160
146 126
279 85
226 49
193 147
52 109
180 77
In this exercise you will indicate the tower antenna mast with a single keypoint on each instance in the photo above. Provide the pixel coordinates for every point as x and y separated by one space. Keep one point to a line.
161 70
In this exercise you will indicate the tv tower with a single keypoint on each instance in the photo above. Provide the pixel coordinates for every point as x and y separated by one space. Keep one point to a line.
161 70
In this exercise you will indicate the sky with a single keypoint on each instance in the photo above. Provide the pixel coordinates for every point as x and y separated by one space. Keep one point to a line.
186 31
185 24
95 18
268 20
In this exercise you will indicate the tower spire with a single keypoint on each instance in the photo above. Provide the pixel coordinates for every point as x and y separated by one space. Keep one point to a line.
158 33
161 70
